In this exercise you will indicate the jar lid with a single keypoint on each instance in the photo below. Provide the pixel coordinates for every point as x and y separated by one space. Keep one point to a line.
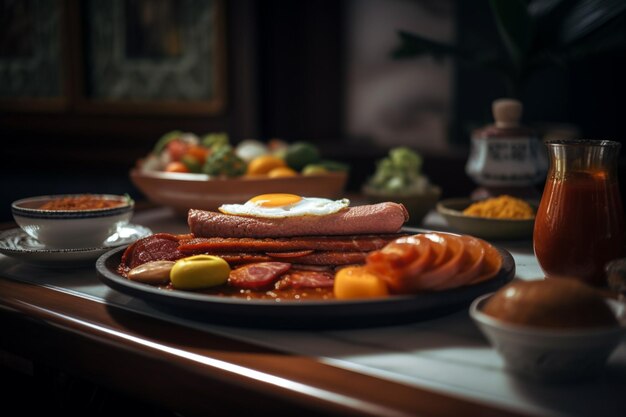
507 112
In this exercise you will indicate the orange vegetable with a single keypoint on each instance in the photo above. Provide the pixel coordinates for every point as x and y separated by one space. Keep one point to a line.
199 153
281 172
176 166
262 165
357 282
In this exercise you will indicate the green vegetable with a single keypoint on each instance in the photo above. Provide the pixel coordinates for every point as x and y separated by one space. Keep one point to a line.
217 139
300 154
405 159
333 165
191 163
223 161
314 169
324 166
399 171
165 139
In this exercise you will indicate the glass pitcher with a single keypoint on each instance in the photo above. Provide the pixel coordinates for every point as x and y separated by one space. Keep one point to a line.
579 225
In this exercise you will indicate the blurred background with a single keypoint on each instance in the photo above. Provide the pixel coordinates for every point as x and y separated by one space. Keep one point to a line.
88 87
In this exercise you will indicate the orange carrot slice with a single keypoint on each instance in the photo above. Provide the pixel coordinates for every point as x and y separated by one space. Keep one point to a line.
491 265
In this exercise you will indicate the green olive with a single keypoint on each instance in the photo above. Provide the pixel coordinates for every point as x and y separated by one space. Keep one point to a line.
199 271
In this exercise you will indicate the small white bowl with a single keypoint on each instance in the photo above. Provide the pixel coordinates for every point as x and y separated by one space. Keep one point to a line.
71 229
551 355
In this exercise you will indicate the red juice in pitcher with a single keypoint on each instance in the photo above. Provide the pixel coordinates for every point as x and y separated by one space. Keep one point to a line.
579 226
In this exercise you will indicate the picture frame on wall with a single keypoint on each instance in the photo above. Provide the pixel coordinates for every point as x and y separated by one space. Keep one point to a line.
33 64
153 56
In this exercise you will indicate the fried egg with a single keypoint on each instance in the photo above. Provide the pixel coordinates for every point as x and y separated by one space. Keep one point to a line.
285 205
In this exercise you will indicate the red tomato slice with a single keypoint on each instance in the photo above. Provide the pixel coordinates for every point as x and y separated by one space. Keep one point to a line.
440 247
400 261
451 265
176 149
471 267
491 265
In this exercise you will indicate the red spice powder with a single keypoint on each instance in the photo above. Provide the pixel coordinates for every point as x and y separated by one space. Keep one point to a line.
85 202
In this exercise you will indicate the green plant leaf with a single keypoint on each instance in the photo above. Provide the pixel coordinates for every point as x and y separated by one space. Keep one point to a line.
515 26
412 45
547 16
611 38
585 17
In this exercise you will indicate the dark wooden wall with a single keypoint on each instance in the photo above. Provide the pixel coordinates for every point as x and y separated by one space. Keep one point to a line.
285 78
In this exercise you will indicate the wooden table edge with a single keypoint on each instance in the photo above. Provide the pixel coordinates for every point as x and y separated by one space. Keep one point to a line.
198 365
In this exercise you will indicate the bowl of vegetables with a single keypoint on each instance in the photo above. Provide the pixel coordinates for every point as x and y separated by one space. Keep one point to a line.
186 171
399 178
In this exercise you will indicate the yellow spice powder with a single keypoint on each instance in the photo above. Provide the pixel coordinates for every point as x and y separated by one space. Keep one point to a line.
502 207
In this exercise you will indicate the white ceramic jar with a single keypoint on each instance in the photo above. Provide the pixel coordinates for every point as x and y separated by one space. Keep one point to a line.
506 154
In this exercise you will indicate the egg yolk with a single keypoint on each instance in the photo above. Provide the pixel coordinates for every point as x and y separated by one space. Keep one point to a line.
275 200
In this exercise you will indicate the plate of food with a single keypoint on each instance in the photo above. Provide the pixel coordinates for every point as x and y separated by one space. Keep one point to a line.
186 171
286 261
497 218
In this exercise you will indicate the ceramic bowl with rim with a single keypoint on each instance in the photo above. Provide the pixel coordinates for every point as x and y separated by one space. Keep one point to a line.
72 229
182 191
418 205
551 355
487 228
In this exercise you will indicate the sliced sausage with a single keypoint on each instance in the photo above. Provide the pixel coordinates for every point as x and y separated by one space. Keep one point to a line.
257 275
306 279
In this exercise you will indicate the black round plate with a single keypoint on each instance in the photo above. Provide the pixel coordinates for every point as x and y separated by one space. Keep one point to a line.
302 314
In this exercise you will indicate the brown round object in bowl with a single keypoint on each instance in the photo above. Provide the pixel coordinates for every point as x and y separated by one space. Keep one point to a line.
550 303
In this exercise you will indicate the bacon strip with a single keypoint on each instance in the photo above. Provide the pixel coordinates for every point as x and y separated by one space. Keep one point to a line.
164 246
378 218
316 258
363 243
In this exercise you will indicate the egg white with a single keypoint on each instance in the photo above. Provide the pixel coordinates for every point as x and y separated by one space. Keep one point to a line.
308 206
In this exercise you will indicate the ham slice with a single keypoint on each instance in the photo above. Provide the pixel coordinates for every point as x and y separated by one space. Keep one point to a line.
378 218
